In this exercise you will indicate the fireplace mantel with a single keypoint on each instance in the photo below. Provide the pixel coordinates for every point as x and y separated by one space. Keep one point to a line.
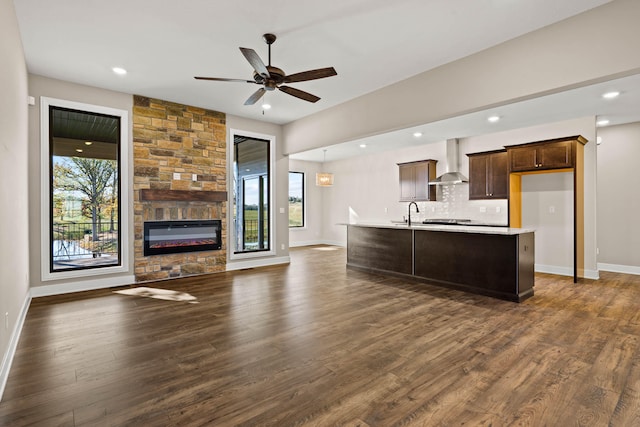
183 195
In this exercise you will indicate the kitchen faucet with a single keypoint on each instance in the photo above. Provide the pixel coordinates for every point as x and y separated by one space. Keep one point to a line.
409 212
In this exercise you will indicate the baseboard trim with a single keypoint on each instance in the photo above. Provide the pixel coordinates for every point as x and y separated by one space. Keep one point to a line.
85 285
259 262
7 360
305 243
618 268
315 243
592 274
565 271
334 243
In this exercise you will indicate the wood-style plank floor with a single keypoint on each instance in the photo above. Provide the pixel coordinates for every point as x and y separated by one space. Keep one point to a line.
315 344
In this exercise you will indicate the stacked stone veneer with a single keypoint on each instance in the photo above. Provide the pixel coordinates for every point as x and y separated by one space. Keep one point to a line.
172 138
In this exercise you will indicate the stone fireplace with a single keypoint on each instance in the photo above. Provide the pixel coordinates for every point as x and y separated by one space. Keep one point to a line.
180 175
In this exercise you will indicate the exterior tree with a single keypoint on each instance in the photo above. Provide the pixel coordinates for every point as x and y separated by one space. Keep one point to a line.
58 206
113 207
91 177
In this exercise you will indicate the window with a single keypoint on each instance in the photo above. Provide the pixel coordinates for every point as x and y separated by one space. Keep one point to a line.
251 187
296 199
82 190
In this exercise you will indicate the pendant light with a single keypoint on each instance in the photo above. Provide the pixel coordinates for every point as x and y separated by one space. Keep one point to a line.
324 179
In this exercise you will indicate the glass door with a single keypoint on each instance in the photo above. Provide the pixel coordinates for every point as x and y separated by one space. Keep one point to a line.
251 197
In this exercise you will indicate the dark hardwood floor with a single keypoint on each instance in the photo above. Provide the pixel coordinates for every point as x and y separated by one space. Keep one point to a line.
313 343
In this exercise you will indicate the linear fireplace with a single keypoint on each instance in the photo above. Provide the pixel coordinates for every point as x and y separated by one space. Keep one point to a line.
169 237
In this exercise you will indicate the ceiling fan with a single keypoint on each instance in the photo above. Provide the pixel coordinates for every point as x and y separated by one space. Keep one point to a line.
272 78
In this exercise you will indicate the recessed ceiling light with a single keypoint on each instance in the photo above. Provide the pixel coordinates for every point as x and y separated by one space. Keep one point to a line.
79 150
493 119
363 145
88 143
603 122
266 106
119 71
417 134
611 95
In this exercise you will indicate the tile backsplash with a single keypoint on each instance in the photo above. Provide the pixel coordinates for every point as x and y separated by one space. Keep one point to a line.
453 202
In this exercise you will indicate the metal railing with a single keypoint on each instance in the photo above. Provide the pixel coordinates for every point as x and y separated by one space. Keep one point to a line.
251 233
75 240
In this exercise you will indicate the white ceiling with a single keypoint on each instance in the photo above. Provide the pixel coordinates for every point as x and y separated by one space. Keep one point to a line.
163 44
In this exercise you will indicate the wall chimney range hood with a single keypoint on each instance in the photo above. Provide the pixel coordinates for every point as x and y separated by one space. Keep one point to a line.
452 176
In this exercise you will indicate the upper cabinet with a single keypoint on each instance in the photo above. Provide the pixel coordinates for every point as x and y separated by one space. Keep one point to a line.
414 181
488 175
544 155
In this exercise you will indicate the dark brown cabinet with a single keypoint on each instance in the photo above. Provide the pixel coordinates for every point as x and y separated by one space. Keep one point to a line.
553 154
414 181
496 264
488 175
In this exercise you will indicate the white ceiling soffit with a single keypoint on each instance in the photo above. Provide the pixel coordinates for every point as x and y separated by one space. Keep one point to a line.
583 102
163 44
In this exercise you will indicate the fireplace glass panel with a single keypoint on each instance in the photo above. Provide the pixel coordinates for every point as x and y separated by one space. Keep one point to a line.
166 237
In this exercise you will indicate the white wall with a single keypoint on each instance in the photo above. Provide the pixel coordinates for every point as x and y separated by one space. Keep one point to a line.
43 86
367 189
547 207
619 198
14 190
311 233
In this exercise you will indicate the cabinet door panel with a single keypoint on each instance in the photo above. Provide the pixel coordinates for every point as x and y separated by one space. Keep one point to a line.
407 183
554 156
523 159
478 177
422 181
498 176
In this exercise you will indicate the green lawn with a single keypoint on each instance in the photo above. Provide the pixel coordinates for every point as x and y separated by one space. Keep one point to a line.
295 215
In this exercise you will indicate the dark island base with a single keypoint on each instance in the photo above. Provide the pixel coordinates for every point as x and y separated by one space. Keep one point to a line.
456 286
495 265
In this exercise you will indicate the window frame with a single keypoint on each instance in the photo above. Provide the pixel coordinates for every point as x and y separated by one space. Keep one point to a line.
231 235
304 201
45 191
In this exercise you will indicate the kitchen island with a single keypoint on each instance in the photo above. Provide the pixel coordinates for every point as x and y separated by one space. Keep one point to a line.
492 261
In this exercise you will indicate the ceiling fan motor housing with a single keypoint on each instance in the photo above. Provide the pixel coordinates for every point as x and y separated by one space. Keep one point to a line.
275 73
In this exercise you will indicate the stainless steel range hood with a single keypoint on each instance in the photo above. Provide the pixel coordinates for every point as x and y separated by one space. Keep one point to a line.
452 176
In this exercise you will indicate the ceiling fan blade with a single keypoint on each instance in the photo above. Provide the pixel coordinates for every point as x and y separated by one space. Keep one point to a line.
220 79
255 61
320 73
255 97
299 93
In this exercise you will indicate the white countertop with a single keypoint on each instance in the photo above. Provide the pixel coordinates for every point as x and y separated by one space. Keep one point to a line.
452 228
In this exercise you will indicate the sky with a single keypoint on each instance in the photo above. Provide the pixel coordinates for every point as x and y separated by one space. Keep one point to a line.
295 185
251 188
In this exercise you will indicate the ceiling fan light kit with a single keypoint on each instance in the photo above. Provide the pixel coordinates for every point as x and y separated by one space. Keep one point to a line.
272 78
